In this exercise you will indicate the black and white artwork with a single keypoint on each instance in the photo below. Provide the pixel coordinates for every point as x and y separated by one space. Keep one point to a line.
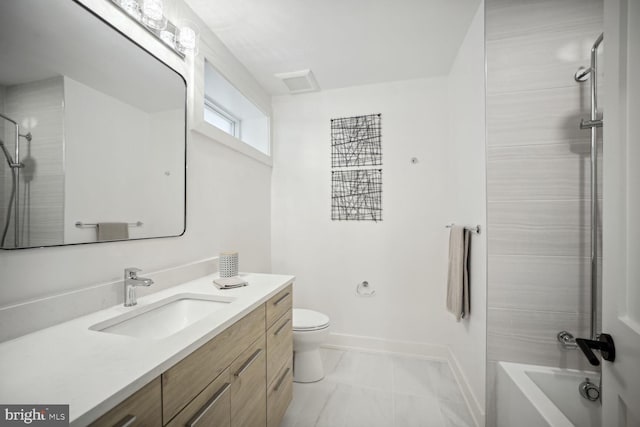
356 141
356 195
356 187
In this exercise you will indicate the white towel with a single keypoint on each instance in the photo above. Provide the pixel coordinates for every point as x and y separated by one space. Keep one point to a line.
230 282
458 278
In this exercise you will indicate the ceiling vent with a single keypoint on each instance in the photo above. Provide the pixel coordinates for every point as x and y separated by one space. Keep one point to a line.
299 81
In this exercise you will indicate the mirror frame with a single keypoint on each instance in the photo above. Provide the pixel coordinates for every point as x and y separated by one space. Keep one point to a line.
104 21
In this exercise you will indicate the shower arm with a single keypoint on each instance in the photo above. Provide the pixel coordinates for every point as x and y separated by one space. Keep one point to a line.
9 119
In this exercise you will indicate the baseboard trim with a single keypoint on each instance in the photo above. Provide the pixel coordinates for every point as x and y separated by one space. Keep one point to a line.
430 351
424 350
475 408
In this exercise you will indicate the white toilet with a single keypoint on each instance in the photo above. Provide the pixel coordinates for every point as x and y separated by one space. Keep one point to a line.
310 329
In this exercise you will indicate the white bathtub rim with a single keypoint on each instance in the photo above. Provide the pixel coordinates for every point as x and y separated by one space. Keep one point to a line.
517 372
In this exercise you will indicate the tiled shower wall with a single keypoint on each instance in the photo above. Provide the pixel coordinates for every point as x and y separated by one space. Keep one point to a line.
3 165
538 177
38 108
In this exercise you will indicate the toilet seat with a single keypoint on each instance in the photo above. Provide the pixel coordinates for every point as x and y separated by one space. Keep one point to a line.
309 320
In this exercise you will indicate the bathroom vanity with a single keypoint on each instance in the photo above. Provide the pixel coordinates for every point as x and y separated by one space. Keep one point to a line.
233 367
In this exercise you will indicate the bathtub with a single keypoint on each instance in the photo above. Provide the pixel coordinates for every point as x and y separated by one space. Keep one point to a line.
535 396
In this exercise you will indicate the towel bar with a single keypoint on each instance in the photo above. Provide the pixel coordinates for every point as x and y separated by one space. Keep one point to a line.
474 230
80 224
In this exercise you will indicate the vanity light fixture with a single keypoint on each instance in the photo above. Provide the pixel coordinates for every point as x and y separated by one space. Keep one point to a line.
187 37
131 7
153 14
182 39
168 37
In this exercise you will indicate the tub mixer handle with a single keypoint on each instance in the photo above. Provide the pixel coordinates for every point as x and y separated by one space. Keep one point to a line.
604 344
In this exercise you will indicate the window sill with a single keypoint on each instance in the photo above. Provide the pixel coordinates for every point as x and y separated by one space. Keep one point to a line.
210 131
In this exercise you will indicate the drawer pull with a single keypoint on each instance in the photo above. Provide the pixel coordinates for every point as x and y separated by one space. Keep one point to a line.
281 299
193 422
279 383
126 421
248 363
277 332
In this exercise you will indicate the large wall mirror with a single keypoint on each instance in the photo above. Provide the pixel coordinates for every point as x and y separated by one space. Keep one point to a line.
92 131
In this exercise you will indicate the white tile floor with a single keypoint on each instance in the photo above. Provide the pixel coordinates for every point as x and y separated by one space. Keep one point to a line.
377 389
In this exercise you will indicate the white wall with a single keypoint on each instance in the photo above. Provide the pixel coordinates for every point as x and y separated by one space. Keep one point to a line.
228 198
467 340
439 121
168 173
131 141
404 256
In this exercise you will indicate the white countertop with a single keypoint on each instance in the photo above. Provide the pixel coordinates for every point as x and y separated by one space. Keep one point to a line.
94 371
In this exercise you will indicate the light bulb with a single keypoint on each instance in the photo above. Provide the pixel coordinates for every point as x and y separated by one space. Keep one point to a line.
168 37
187 37
131 7
153 14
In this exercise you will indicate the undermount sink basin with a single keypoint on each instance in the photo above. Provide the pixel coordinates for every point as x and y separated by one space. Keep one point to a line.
165 317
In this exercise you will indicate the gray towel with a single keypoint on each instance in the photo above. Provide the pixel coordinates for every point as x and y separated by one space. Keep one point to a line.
458 279
112 231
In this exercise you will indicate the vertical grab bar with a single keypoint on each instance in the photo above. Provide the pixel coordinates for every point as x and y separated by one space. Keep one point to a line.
594 185
565 338
16 202
594 124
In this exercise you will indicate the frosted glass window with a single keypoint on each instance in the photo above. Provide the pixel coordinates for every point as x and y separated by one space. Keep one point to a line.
229 110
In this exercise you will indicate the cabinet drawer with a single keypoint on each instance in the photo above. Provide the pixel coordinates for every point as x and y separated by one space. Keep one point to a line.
279 304
143 408
279 345
279 395
212 407
249 387
187 378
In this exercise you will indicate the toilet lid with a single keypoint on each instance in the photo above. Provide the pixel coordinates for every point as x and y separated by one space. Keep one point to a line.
309 320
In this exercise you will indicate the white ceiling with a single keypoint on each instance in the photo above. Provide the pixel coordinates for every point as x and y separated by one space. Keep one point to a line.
344 42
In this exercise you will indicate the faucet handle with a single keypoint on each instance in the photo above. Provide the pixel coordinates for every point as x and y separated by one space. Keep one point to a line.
604 343
131 272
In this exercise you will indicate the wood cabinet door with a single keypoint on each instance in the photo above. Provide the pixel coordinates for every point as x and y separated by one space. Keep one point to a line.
249 387
212 407
187 378
279 395
143 408
279 304
279 346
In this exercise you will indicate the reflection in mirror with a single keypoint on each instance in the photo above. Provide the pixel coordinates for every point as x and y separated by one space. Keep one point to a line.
92 131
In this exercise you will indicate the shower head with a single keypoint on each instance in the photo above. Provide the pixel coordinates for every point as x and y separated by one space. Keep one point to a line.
27 136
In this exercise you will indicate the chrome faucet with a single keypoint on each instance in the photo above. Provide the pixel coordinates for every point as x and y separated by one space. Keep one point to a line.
131 280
